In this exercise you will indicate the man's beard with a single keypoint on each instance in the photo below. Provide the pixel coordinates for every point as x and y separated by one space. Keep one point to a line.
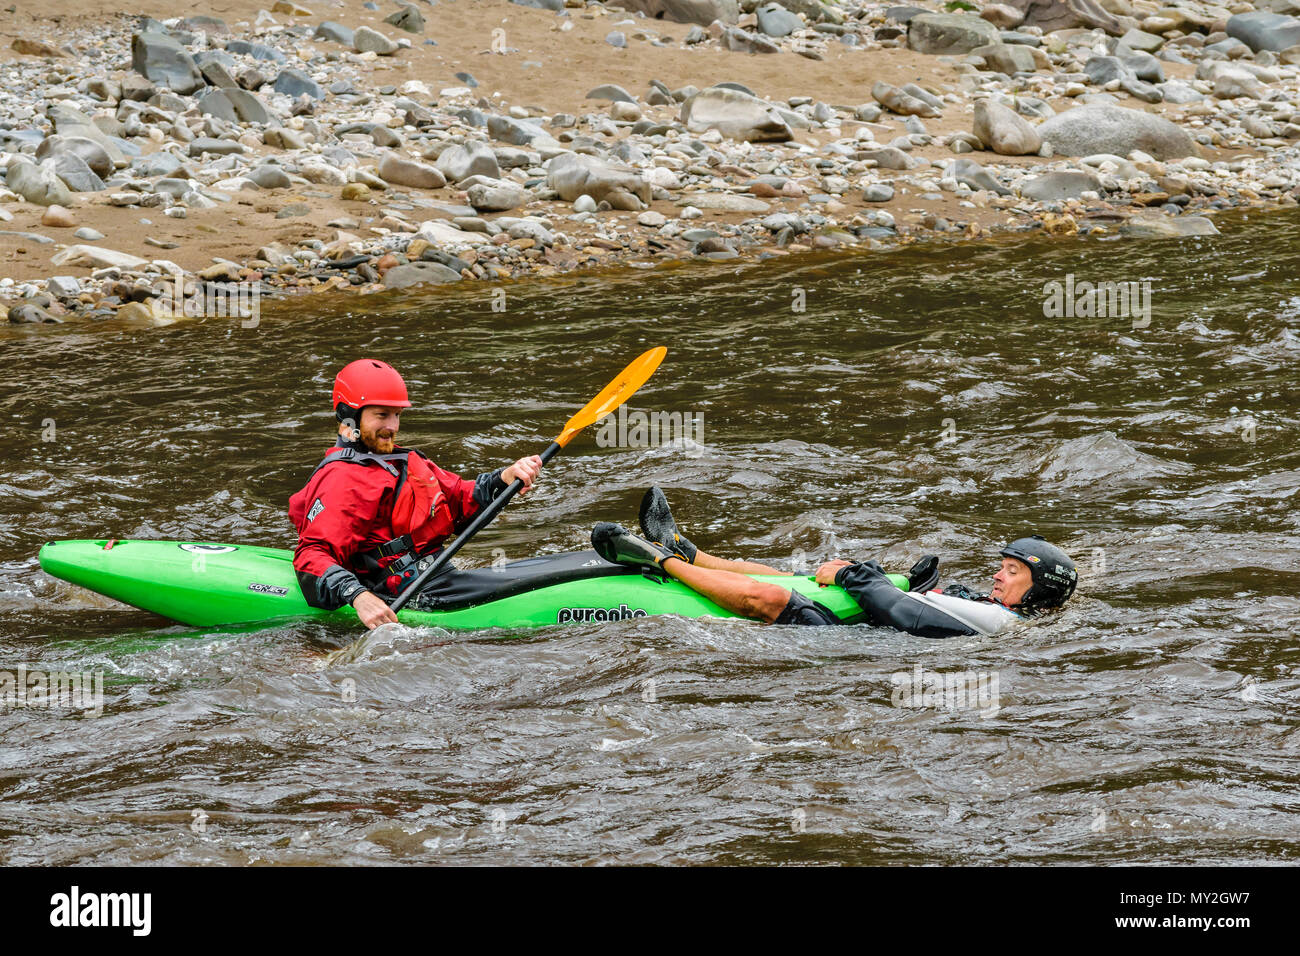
375 443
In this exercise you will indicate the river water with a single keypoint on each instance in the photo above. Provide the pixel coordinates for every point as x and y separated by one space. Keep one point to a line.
880 404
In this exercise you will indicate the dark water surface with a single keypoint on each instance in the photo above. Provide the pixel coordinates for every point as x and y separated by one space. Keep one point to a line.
921 403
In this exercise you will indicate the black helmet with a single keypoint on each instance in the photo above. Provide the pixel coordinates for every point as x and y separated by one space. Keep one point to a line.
1050 568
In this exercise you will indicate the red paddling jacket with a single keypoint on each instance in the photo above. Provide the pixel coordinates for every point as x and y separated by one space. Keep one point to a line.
365 518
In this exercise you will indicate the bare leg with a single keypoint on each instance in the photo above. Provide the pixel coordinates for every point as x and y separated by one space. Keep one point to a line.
703 560
735 592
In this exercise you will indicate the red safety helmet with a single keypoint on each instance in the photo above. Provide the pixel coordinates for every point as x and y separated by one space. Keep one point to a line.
367 382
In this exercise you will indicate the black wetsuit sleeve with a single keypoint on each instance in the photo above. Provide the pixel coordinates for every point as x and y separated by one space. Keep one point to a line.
333 589
487 486
887 606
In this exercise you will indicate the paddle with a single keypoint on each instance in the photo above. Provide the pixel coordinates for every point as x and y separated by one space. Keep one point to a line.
611 397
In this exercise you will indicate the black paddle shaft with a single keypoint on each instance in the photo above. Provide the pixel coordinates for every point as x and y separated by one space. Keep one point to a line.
484 517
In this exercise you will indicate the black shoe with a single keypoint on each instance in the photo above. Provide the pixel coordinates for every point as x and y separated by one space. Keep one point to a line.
657 524
924 574
617 545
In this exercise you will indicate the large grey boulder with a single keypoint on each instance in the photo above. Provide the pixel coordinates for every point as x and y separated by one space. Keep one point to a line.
1106 128
975 176
507 129
1059 186
1156 227
164 62
496 197
67 120
776 21
576 174
472 159
92 153
76 174
37 184
949 33
366 40
1265 31
702 12
400 171
735 115
1005 131
416 273
236 106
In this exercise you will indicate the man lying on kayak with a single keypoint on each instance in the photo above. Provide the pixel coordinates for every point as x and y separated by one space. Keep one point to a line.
372 508
1034 577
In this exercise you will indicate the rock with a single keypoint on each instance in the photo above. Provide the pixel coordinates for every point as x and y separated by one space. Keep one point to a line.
218 74
235 106
611 93
1105 128
96 258
702 12
75 174
63 287
219 147
92 153
1059 186
28 47
584 203
495 198
724 202
652 219
407 172
975 176
878 192
576 174
258 51
366 40
1136 39
472 159
1053 15
416 273
385 137
57 217
519 133
334 32
1004 131
886 157
86 234
949 33
408 18
164 62
37 184
356 192
616 38
742 41
735 115
1143 65
27 313
1103 69
1230 84
1168 227
269 176
1002 16
896 101
295 83
282 138
1265 31
776 21
69 121
1178 93
1007 59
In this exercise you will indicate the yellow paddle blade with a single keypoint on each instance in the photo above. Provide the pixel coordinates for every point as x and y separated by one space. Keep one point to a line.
614 394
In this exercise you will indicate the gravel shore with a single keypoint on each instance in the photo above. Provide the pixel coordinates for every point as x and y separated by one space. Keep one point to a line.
152 156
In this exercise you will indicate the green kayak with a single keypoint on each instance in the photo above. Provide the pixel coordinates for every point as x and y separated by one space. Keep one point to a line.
214 585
